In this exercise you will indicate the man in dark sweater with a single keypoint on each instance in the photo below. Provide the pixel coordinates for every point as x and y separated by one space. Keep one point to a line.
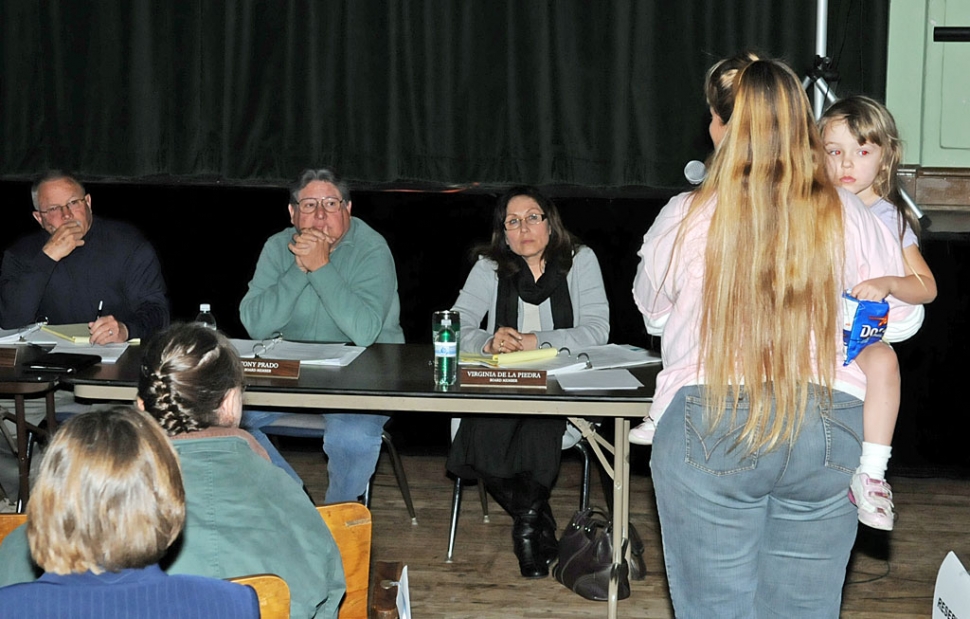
72 267
78 264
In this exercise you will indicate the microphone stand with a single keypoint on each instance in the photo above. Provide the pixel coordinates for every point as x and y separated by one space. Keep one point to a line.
822 72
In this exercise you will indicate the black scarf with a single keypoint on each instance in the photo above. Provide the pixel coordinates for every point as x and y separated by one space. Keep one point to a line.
551 285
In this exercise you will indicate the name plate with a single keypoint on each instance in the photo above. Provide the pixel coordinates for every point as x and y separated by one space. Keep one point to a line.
8 356
271 368
501 377
12 356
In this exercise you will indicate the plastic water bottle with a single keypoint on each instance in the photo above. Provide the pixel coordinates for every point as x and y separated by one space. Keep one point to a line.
445 329
205 317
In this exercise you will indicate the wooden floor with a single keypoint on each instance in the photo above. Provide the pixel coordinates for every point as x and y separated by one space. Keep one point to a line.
891 575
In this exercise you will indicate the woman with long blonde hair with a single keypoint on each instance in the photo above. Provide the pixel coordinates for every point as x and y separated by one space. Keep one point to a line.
758 424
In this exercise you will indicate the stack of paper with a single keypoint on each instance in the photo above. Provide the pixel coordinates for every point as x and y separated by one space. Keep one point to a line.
77 333
565 361
599 380
618 356
335 355
30 334
109 353
508 359
548 359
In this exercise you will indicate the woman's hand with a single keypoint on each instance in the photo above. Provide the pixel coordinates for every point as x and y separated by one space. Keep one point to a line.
507 339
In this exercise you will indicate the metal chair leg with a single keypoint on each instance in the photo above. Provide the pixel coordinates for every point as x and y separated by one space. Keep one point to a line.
484 498
402 479
584 489
24 440
607 483
455 507
29 454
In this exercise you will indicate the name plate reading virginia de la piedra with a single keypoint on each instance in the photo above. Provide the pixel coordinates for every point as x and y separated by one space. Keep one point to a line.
271 368
502 377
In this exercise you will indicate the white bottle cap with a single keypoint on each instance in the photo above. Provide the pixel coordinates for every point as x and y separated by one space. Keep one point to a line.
204 307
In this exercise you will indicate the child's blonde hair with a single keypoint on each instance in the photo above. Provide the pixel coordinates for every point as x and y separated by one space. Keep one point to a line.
870 122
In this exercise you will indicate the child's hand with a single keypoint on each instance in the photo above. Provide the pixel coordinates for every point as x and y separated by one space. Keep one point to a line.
874 289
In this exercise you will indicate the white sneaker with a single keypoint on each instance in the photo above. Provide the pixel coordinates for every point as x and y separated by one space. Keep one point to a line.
873 498
643 433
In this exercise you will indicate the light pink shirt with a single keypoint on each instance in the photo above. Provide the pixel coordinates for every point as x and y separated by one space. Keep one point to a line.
668 289
888 214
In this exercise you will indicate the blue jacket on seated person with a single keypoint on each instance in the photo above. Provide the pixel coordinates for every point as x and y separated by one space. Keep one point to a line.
147 593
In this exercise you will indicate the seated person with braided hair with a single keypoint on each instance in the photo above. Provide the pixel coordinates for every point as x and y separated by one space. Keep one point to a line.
244 514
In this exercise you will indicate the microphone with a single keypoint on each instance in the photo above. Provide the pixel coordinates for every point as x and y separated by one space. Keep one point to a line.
695 171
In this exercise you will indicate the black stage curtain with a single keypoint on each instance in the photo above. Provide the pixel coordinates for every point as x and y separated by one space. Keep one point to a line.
600 94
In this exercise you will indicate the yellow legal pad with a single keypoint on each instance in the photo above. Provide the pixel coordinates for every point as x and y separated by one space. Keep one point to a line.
509 358
76 333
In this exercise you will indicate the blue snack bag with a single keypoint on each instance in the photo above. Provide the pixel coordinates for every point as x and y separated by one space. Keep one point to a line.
864 323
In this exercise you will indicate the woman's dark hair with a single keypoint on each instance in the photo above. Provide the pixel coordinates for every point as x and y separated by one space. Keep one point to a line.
186 372
720 84
562 244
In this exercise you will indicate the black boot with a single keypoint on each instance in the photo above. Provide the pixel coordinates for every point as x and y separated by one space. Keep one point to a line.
526 533
533 529
503 491
548 546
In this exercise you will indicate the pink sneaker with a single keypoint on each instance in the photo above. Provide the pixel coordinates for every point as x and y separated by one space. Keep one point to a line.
643 433
874 498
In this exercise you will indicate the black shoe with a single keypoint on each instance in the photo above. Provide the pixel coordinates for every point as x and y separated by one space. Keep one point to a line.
526 534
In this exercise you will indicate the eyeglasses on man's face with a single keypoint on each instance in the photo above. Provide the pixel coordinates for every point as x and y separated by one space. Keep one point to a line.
73 206
310 205
533 219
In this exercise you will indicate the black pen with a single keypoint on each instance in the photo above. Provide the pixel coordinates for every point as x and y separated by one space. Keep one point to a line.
100 305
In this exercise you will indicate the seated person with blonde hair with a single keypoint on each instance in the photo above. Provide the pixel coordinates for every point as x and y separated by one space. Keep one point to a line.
107 505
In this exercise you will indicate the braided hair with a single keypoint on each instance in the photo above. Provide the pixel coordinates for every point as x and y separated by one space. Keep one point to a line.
186 372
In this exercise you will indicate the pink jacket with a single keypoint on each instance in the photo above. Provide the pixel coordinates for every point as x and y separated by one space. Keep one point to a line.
668 288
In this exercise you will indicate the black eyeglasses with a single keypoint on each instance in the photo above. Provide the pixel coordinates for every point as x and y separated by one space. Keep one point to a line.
310 205
70 206
533 219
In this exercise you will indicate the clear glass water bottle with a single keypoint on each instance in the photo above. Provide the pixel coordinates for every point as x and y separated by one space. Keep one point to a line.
205 317
446 333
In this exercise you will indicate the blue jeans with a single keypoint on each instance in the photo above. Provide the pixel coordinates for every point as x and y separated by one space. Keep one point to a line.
762 535
352 442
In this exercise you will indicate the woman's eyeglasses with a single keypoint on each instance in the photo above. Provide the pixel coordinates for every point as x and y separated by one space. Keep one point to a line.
533 219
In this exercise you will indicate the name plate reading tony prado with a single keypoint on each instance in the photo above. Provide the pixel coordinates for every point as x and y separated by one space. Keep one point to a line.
271 368
502 377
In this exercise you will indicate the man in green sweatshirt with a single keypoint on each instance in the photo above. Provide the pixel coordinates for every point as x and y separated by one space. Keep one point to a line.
328 278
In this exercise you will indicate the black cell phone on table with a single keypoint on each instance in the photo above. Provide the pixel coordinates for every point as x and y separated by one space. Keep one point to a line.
61 362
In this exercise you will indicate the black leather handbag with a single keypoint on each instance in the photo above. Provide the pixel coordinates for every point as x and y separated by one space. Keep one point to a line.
586 557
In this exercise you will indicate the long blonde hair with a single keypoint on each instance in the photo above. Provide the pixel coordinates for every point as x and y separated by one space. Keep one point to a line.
773 262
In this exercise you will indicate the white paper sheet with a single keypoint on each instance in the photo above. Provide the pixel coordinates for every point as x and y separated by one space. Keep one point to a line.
109 353
598 379
337 355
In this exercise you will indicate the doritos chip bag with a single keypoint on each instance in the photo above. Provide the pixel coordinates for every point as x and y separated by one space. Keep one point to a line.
864 324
